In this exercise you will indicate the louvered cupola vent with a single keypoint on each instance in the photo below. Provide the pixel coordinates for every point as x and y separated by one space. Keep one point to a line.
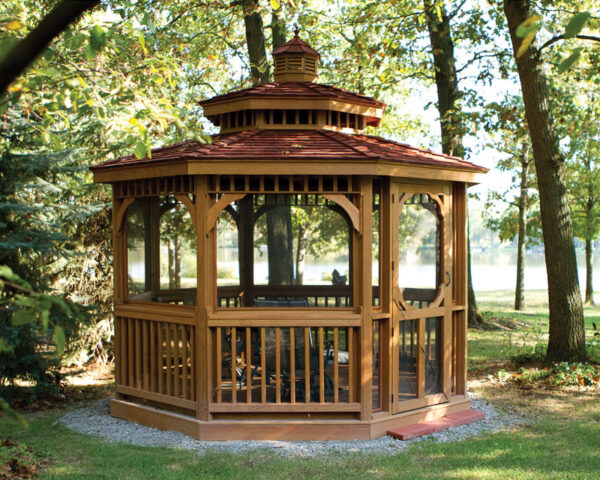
296 61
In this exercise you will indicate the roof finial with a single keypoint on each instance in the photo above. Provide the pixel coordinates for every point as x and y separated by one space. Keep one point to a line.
296 30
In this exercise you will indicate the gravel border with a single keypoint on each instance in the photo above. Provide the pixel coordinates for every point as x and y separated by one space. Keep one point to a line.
95 420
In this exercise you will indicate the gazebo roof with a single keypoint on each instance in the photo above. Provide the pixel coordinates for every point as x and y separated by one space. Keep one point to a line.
295 145
296 45
290 90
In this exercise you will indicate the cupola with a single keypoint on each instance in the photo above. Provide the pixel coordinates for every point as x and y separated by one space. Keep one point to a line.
294 101
296 61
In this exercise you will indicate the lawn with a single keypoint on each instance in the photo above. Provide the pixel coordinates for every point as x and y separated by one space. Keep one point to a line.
560 439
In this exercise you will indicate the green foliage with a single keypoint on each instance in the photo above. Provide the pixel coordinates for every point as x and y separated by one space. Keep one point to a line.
563 374
17 460
554 18
593 349
568 62
505 123
576 24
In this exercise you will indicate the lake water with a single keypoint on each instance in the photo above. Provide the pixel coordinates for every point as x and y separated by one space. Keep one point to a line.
498 271
491 271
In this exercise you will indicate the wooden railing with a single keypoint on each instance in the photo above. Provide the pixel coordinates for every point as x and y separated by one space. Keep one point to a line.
339 296
301 367
156 355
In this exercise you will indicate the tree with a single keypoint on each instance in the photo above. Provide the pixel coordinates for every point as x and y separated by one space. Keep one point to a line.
583 179
27 50
566 330
451 122
279 217
508 129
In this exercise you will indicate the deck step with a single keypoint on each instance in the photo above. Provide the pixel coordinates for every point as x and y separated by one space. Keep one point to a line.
434 426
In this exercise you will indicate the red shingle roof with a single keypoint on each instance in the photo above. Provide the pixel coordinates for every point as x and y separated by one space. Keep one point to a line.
296 145
290 90
296 45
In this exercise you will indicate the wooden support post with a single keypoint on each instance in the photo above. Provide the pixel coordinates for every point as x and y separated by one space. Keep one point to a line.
385 291
365 296
447 275
119 264
460 284
205 298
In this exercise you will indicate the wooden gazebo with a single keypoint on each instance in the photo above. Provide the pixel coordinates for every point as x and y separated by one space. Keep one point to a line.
223 353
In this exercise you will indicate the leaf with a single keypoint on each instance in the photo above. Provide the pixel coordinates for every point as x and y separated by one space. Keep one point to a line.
13 25
275 5
90 53
525 44
97 38
576 24
22 317
568 62
140 150
532 24
59 339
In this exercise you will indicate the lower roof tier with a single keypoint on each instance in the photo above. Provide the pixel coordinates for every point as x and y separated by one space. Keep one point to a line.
274 149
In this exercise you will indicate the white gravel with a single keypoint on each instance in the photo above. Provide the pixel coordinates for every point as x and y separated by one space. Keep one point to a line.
96 420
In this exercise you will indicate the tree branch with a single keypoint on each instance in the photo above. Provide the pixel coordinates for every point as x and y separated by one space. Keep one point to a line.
562 37
27 49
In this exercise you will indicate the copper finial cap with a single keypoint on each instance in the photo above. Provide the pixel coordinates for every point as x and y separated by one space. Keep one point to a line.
296 30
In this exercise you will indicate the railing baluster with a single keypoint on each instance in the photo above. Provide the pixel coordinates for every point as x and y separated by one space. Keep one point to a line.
218 363
263 367
124 342
350 364
193 361
277 365
130 352
169 373
335 366
321 367
184 361
176 360
248 366
292 366
307 364
161 357
145 355
233 365
153 359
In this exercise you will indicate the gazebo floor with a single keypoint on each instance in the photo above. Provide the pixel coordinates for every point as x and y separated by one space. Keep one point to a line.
282 429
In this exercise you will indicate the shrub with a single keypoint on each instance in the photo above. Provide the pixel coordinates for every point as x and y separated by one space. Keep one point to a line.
16 460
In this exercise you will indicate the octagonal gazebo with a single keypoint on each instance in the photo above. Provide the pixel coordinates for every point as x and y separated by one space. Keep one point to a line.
296 278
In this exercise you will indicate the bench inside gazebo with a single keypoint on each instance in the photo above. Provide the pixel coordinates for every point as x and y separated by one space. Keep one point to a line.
294 279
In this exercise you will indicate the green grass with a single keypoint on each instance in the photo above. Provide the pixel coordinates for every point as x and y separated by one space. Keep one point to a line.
560 439
489 348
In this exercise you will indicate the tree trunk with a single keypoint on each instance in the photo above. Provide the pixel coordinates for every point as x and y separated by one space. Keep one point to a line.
522 234
300 255
278 27
27 49
171 251
566 330
446 80
589 287
474 317
442 50
280 245
177 258
255 39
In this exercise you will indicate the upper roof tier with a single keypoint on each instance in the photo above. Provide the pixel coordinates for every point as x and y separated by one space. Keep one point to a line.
292 105
293 101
